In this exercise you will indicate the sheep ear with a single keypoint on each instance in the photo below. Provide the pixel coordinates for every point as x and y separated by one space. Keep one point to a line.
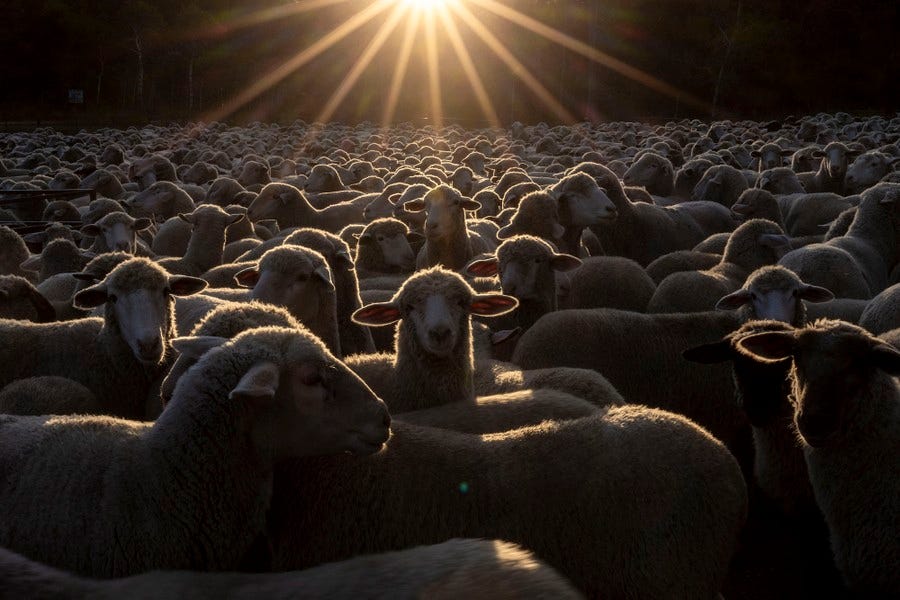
196 346
36 237
776 241
184 285
236 219
468 204
769 346
558 231
741 209
259 383
142 223
91 230
186 218
45 311
485 267
734 300
887 358
247 278
362 238
377 314
85 276
817 154
32 263
507 232
814 293
492 305
323 274
415 205
564 262
755 153
708 354
91 297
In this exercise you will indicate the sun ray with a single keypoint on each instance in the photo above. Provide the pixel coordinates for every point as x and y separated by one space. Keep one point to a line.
400 70
517 68
465 59
434 75
621 67
362 63
278 74
258 17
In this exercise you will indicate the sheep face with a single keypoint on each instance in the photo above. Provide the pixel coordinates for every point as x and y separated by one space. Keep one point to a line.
118 231
832 361
155 200
835 158
776 294
434 306
20 300
445 211
323 178
780 180
305 400
270 200
396 252
867 170
770 156
652 172
298 279
379 208
582 202
526 266
137 294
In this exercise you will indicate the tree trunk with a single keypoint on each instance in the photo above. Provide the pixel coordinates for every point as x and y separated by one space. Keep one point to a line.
139 87
99 80
191 85
729 43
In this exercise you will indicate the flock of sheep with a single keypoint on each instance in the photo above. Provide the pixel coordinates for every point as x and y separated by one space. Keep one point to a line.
602 360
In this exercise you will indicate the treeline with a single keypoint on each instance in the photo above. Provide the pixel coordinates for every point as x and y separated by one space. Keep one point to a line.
135 60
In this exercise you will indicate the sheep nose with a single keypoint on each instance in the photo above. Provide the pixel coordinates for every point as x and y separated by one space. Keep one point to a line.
150 347
439 334
123 246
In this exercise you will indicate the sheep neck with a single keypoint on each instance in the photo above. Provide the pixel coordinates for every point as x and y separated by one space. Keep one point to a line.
204 451
206 246
451 251
354 338
779 466
876 230
299 213
423 380
325 325
570 242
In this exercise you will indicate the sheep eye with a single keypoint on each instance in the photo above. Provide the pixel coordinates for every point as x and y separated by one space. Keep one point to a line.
380 238
112 298
302 277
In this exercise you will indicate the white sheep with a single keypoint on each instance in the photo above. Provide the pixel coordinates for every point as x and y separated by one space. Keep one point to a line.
832 169
19 299
287 205
383 246
867 170
720 183
847 412
116 357
430 484
207 242
882 312
456 568
652 172
69 494
115 231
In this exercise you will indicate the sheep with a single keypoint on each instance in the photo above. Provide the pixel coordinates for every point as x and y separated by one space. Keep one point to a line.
644 232
770 156
104 183
48 395
115 232
226 320
780 180
720 183
19 299
207 242
234 250
447 240
502 412
59 256
259 396
147 170
858 264
99 208
52 231
688 176
883 312
775 293
833 167
867 170
608 281
199 173
300 280
490 203
118 356
59 289
847 413
433 347
515 193
13 252
287 205
658 551
223 191
652 172
536 215
354 338
581 203
453 569
756 243
527 268
680 260
61 210
162 200
383 246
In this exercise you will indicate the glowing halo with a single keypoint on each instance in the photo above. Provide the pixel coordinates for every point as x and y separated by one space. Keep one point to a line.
427 5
